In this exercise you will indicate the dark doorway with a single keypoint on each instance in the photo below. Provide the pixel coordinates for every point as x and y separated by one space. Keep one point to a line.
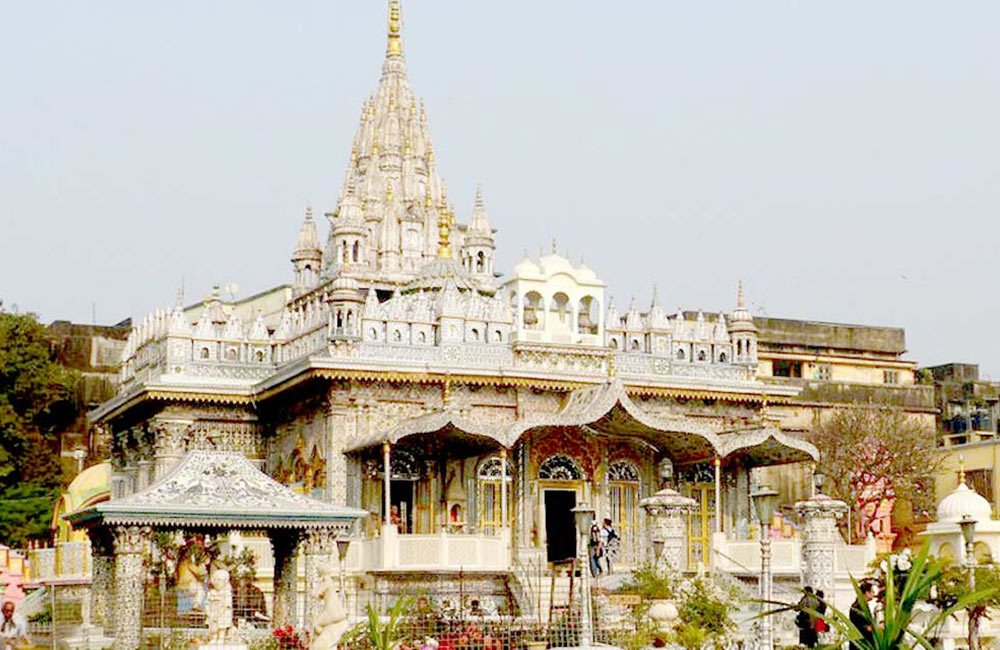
401 499
560 527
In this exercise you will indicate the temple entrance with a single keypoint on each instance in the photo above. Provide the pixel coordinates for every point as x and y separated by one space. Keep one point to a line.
700 523
401 499
560 525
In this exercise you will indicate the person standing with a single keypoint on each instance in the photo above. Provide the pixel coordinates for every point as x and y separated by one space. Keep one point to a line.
13 629
594 549
858 618
805 618
609 544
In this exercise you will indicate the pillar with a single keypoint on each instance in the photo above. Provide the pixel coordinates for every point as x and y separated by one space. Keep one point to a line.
718 494
145 474
101 601
668 510
819 540
128 574
285 546
503 489
320 545
386 483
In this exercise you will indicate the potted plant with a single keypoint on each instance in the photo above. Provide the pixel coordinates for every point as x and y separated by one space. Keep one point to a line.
657 591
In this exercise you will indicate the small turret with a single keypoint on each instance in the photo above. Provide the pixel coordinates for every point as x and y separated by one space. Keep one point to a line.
478 249
743 332
307 259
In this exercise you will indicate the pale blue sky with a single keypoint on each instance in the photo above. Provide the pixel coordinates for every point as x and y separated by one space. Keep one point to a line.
842 157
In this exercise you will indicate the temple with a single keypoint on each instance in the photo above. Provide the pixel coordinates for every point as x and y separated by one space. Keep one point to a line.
466 411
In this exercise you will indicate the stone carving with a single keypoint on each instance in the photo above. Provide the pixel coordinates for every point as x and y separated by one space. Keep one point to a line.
219 608
331 620
820 538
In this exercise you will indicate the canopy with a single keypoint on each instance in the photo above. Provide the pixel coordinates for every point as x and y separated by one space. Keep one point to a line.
218 489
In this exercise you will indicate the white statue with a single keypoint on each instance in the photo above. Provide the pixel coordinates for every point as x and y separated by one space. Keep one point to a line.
219 608
331 621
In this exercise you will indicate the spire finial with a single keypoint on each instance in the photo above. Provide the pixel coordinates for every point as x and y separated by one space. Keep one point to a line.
309 212
656 297
739 296
480 203
444 233
395 45
961 470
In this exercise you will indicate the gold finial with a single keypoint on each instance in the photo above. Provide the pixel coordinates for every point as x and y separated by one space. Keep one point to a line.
427 198
961 470
395 45
388 192
739 295
444 233
309 213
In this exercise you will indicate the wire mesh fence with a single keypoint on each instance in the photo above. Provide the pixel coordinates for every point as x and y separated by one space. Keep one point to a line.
546 607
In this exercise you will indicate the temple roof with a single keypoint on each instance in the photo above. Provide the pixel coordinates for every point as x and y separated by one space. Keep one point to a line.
218 489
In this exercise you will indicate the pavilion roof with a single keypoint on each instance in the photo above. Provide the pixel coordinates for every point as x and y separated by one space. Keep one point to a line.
218 489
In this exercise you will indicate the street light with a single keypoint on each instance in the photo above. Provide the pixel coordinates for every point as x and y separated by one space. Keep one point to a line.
343 543
968 526
765 501
584 516
818 479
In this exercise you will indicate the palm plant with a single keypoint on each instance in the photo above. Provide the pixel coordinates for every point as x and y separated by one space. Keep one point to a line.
387 635
896 628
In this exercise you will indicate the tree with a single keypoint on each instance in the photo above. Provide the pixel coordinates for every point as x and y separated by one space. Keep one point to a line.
35 403
870 454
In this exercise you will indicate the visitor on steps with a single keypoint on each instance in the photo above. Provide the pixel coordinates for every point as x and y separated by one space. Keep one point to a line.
594 549
609 544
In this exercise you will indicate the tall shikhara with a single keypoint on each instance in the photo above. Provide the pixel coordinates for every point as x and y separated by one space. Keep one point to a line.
385 225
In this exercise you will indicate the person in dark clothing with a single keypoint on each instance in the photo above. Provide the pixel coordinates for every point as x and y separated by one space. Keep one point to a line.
805 619
857 615
821 625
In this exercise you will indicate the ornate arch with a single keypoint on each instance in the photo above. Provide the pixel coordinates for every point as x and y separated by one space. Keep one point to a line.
560 467
491 468
623 471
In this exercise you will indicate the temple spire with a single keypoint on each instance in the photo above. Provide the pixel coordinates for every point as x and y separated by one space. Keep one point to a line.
394 46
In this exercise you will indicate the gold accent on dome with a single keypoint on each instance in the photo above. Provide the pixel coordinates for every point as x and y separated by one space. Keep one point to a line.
961 469
395 27
444 234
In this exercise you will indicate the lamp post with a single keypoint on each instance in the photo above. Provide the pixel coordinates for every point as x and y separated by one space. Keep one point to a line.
343 543
765 500
968 526
818 479
584 516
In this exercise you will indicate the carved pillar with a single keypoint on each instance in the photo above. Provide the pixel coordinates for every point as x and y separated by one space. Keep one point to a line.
819 543
101 597
285 546
342 425
668 509
320 544
129 543
145 474
169 443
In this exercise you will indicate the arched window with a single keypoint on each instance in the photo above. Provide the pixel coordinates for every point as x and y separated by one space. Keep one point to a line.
491 468
397 336
586 320
343 251
560 468
231 354
204 353
349 323
422 337
498 336
739 347
623 470
373 333
701 355
475 334
481 262
355 251
680 354
722 358
623 501
635 345
533 311
614 344
560 312
259 356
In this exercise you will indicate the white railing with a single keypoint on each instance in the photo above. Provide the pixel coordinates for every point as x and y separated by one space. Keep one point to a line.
742 556
439 552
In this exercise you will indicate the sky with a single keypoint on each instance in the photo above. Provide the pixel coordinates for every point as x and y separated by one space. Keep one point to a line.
842 158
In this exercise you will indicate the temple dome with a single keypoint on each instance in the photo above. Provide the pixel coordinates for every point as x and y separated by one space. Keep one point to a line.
962 501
